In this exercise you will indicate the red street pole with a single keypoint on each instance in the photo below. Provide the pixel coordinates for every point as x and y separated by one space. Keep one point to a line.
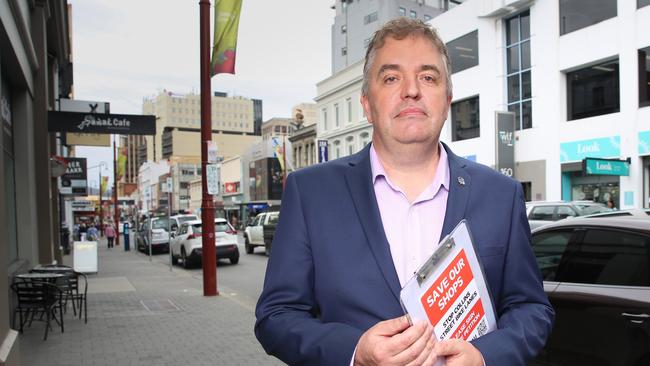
116 213
207 205
101 211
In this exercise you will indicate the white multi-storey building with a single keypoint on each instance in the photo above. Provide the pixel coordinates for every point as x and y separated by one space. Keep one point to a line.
576 74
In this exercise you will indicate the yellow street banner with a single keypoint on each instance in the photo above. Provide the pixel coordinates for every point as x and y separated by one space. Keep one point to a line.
226 17
104 184
121 163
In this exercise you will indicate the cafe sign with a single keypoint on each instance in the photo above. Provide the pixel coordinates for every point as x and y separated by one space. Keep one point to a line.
593 166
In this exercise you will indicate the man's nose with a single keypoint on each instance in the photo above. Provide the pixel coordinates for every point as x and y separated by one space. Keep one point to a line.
411 88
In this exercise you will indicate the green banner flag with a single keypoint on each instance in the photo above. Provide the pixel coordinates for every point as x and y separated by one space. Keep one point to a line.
226 17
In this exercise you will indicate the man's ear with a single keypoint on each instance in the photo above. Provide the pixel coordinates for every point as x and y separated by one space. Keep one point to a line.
366 107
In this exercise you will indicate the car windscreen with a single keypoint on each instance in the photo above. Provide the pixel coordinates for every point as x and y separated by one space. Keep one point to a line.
160 224
183 219
219 227
274 218
592 209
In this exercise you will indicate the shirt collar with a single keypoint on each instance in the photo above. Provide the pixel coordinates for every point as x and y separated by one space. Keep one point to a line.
441 178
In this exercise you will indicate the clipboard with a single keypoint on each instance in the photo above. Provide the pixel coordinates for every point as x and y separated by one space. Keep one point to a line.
450 292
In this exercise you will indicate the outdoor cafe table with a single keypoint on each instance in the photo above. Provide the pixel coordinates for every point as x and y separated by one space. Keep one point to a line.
36 276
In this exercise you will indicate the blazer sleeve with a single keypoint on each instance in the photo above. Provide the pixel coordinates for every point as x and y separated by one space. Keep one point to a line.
524 314
287 324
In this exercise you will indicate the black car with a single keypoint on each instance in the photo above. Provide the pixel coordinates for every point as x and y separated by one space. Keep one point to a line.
596 273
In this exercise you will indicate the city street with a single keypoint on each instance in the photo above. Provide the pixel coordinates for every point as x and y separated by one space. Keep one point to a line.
242 281
140 313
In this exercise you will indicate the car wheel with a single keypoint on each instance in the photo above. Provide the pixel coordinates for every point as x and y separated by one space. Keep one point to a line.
248 246
234 260
186 260
267 249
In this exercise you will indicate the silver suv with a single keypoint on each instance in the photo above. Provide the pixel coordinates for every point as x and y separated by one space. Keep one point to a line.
540 213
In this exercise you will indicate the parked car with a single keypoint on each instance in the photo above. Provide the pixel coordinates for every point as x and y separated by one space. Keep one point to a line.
540 213
633 212
269 231
254 233
177 220
187 243
596 273
159 235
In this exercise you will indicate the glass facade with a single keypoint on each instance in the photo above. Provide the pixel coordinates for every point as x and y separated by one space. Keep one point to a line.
465 119
578 14
518 68
463 52
644 77
593 91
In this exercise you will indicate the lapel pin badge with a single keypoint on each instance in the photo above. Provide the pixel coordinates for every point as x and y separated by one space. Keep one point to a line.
461 181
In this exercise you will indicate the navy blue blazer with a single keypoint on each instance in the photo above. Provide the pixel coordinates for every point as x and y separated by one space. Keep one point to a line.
331 276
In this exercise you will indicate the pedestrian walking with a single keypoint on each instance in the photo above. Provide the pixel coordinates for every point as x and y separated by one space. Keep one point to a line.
109 231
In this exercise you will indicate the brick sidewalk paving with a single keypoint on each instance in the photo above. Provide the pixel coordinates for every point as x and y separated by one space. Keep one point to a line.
140 313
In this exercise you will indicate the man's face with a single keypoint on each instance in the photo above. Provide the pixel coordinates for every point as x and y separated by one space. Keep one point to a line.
407 102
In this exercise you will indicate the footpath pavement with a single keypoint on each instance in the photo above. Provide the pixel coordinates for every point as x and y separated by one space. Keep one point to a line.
141 313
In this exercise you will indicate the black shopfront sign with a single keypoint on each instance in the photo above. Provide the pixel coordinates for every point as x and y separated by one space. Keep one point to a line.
118 124
74 181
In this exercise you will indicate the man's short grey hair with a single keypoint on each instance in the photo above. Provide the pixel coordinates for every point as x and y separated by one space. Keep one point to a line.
399 29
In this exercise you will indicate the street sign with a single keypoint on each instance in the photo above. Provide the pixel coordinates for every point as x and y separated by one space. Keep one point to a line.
74 181
322 151
119 124
212 152
212 175
168 187
505 143
85 106
593 166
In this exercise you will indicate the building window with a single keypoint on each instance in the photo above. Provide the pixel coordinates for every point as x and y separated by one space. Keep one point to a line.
518 83
337 149
350 141
348 101
593 91
324 119
402 11
463 52
465 121
336 115
372 17
642 3
365 138
578 14
344 51
644 76
413 14
427 17
344 29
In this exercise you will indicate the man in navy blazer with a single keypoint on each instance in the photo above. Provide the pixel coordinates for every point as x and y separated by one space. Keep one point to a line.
331 293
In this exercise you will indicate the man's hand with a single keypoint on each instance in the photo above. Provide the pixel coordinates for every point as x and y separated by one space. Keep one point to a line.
395 342
458 353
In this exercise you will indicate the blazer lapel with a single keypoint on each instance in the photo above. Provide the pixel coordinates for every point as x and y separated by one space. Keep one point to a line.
359 181
459 187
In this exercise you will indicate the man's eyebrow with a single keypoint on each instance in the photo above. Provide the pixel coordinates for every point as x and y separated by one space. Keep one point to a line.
429 67
395 67
387 67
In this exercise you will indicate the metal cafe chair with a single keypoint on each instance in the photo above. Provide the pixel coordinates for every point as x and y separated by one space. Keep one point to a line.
35 297
78 292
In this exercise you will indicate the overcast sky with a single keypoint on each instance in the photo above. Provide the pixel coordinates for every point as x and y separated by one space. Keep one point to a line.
125 50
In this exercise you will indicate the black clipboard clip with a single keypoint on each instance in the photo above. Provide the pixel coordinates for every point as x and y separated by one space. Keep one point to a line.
439 255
